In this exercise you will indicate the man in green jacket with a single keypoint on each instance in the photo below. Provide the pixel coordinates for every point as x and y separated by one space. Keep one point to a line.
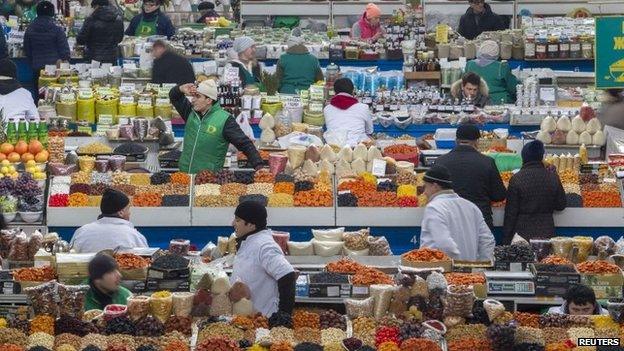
500 81
209 129
104 280
297 69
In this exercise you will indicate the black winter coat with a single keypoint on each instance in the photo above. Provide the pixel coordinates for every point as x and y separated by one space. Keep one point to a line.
45 43
172 68
533 195
101 33
4 52
488 21
475 178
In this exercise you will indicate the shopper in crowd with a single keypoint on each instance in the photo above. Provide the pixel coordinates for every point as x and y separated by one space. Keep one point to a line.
368 27
474 175
479 18
207 12
169 67
500 81
297 69
45 42
209 129
452 224
249 70
151 21
112 230
260 263
471 89
533 195
104 284
4 50
15 101
345 114
102 32
580 300
612 111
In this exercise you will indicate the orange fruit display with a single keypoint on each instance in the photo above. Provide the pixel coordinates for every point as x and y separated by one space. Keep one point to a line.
42 156
35 147
27 157
21 147
6 148
14 157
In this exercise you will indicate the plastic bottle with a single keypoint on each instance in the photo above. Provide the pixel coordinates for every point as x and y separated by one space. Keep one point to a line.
22 129
32 131
42 133
12 132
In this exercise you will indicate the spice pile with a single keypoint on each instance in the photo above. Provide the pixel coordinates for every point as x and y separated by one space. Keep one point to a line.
366 191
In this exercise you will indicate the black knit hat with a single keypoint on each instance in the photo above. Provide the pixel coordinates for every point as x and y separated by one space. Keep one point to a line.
439 175
100 265
95 3
45 8
113 201
8 68
533 151
252 212
468 132
206 5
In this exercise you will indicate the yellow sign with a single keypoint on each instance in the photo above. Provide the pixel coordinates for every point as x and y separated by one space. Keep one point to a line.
442 33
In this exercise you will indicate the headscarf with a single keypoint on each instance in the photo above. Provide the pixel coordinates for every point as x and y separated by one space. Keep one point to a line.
367 30
488 52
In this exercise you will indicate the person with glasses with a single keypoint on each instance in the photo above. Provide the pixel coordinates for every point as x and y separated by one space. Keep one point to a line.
479 18
151 21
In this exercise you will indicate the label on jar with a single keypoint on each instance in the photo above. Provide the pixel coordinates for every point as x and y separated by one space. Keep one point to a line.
553 48
575 47
564 47
529 50
540 48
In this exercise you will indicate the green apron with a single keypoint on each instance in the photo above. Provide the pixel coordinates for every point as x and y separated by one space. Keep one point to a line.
204 145
146 28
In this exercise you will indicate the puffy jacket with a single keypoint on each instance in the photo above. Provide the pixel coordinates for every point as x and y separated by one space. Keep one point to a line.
4 52
45 43
172 68
472 24
101 33
163 26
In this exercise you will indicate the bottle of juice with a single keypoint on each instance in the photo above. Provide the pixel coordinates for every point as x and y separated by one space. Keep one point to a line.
32 131
22 129
11 132
42 133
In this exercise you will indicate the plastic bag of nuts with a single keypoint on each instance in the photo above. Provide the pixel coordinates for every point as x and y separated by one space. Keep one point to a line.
161 304
72 299
138 307
459 300
359 308
356 241
42 298
379 246
182 304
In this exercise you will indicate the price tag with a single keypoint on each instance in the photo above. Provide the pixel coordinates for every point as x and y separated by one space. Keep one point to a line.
316 107
129 65
105 119
95 64
609 180
168 86
127 88
442 32
84 129
104 92
41 264
126 100
162 101
85 94
67 98
342 192
163 92
379 167
230 74
272 99
50 70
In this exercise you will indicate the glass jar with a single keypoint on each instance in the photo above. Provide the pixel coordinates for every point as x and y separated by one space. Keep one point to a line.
564 48
553 47
529 48
540 49
575 47
587 47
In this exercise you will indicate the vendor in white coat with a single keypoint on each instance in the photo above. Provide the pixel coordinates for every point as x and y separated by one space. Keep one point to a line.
452 224
580 300
345 114
15 101
260 263
112 230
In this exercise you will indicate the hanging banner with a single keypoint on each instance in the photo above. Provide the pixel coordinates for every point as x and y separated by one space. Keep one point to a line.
609 52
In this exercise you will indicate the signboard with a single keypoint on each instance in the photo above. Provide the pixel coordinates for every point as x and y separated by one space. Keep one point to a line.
609 52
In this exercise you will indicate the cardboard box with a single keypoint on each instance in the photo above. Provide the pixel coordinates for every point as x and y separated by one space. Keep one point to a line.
602 279
447 266
555 278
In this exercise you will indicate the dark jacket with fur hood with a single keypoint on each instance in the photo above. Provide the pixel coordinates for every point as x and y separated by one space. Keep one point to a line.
482 98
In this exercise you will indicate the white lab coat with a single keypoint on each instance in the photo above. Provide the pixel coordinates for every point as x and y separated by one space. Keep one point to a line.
560 310
107 233
356 122
455 226
259 263
19 104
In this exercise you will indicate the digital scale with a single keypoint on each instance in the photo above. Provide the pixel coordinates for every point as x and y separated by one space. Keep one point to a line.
510 283
428 157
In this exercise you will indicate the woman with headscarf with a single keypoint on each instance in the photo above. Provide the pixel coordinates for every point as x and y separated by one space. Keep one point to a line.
368 27
151 21
297 69
500 81
534 193
243 54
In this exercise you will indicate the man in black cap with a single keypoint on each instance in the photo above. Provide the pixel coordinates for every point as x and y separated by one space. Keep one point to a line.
207 11
474 175
452 224
260 263
112 230
104 279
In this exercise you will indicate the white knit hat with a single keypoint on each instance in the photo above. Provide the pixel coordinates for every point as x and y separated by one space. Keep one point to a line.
243 43
208 88
296 38
489 49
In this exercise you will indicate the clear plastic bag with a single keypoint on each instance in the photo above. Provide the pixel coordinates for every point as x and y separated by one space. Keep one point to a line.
379 246
605 245
43 298
458 301
239 291
585 244
281 238
72 299
19 248
300 248
138 307
562 246
161 307
359 308
221 305
182 303
493 308
356 241
542 248
436 281
400 299
201 303
382 294
179 246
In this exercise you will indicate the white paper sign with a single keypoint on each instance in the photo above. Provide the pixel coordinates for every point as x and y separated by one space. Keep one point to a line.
50 70
379 167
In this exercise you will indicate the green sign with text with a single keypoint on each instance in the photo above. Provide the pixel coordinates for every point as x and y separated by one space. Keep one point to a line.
609 52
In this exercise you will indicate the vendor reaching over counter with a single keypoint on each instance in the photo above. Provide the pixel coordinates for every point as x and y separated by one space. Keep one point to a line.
580 300
474 175
260 263
452 224
369 26
209 129
151 21
112 230
104 283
